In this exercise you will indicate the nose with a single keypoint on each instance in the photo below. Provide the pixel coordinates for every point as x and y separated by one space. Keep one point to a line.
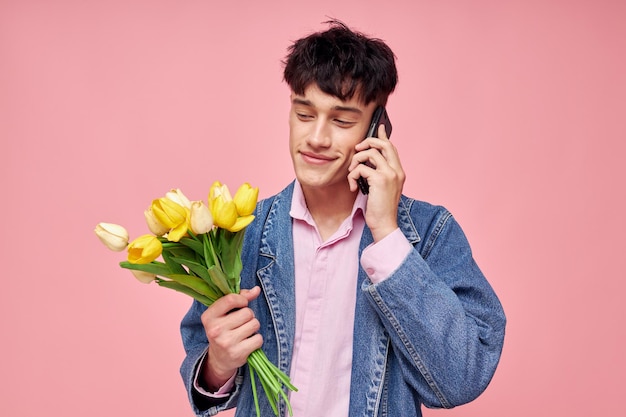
319 136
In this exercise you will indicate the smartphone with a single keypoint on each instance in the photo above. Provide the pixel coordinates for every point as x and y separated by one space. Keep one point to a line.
380 117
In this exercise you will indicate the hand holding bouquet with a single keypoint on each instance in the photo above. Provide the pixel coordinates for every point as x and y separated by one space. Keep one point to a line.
200 246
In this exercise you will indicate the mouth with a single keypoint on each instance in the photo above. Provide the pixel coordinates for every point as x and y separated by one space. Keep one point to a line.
315 158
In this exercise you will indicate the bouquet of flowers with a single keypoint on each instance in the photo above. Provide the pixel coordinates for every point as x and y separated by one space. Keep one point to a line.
200 246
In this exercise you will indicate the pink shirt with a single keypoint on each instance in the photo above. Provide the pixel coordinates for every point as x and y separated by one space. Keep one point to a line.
326 286
326 276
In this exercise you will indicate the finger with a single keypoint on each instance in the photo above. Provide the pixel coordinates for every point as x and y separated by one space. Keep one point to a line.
371 157
235 355
252 293
227 303
385 148
382 132
372 143
236 327
251 344
246 330
230 328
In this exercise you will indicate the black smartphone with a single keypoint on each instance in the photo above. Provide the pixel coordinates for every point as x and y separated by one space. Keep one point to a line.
380 117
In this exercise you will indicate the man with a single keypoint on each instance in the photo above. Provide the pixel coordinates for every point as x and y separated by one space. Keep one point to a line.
371 303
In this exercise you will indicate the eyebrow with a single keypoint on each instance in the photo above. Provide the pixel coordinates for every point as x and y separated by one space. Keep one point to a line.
305 102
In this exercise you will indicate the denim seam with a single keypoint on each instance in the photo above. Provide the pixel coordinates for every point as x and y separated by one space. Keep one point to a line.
414 355
432 238
269 294
382 396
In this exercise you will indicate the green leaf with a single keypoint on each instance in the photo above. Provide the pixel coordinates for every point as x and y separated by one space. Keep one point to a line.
230 252
210 255
183 252
220 280
193 244
185 290
196 284
157 268
198 269
175 267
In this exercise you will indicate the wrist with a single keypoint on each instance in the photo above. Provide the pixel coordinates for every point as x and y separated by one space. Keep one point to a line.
381 232
212 378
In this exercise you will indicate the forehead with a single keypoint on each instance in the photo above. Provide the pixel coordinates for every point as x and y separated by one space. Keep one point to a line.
314 97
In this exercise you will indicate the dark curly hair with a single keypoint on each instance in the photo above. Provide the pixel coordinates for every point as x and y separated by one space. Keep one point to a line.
343 63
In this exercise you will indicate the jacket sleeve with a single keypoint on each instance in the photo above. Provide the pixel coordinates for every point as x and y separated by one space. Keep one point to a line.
445 322
196 345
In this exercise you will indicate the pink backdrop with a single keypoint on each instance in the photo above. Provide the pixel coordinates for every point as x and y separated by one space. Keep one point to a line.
510 113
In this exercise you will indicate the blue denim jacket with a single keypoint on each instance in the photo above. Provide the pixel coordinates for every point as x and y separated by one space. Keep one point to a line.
431 333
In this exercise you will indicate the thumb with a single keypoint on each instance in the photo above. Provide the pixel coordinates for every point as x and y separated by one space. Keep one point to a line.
252 293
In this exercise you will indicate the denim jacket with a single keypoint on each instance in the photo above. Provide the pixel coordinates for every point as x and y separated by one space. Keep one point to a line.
430 334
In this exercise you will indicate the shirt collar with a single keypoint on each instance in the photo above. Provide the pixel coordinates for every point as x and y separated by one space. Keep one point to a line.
300 211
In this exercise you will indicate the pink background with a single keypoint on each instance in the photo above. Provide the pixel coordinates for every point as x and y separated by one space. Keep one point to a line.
510 113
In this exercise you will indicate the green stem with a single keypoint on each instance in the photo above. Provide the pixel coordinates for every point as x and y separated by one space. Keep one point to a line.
256 398
270 377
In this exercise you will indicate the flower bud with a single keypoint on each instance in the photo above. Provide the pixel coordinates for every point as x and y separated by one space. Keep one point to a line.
114 236
144 249
178 197
154 224
245 199
143 276
200 218
172 215
218 189
224 212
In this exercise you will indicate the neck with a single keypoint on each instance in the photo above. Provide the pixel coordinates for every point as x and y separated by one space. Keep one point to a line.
328 207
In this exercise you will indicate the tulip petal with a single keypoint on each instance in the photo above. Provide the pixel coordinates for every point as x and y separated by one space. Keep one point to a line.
200 218
177 196
168 212
246 199
224 212
113 236
144 249
177 233
143 277
241 223
154 224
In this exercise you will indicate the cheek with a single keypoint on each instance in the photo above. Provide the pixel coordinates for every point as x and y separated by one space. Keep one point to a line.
348 141
297 132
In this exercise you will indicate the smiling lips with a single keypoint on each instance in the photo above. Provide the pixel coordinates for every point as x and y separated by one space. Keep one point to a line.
314 158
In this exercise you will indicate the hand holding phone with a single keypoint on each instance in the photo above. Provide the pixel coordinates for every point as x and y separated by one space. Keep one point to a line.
380 117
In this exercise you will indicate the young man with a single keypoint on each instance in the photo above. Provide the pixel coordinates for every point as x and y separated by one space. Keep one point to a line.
371 303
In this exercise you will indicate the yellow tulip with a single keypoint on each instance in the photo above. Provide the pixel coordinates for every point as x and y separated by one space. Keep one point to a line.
232 214
143 276
178 197
144 249
200 218
224 212
241 223
219 189
245 199
114 236
153 223
173 216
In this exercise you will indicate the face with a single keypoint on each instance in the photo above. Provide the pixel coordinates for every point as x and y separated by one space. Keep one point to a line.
323 131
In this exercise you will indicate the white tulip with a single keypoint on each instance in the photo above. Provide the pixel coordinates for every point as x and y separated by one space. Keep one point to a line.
200 218
178 197
114 236
154 224
143 276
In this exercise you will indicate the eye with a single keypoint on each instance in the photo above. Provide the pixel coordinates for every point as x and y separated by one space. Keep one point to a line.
304 116
344 123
